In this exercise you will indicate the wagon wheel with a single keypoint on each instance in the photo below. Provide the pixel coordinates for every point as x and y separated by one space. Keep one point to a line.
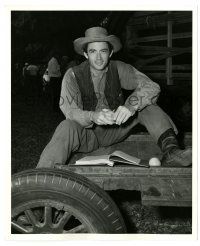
57 201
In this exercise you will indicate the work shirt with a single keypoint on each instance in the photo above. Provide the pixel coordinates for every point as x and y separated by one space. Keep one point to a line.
145 92
54 68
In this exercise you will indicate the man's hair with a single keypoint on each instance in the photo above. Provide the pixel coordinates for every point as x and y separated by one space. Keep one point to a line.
109 46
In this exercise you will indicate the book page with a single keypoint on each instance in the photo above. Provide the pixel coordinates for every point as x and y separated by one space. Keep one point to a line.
95 160
124 156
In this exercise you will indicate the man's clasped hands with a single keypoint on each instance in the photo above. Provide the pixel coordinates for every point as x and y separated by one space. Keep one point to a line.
109 117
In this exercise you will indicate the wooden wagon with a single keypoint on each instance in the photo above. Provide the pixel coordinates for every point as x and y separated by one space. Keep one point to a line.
73 199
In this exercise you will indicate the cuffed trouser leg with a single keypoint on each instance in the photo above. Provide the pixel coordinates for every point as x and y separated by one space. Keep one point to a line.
69 137
156 121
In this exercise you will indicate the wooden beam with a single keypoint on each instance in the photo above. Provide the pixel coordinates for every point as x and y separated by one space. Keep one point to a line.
158 185
185 79
142 62
182 67
174 75
159 24
163 37
169 59
163 67
154 50
182 75
144 22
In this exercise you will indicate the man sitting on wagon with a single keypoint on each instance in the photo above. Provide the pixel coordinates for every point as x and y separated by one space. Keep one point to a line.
96 113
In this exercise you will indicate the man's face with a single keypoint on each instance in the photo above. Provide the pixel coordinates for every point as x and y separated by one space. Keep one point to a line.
98 54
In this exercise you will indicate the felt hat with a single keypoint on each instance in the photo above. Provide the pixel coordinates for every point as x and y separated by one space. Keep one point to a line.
96 34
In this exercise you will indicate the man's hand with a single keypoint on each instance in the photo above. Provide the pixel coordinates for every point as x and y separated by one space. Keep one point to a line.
122 114
104 117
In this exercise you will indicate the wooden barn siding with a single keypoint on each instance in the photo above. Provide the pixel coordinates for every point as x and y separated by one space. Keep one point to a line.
149 56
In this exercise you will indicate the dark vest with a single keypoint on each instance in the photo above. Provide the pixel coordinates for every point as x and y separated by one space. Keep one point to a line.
113 92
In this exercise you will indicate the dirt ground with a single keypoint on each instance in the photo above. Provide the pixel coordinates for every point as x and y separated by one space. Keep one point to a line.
32 126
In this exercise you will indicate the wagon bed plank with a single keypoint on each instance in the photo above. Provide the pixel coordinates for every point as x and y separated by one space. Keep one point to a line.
159 186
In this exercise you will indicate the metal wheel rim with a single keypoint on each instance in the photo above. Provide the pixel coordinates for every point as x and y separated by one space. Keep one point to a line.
48 217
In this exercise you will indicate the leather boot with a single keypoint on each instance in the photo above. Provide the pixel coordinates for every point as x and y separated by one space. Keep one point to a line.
173 156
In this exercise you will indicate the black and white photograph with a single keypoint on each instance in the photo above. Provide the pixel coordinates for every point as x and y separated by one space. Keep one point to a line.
102 122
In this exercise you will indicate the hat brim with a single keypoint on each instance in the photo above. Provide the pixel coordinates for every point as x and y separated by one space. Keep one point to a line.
79 43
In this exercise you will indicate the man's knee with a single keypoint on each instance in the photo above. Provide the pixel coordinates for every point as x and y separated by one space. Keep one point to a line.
69 125
150 108
67 128
152 115
151 111
155 120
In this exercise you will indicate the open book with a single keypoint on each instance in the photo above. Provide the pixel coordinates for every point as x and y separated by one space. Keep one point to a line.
114 158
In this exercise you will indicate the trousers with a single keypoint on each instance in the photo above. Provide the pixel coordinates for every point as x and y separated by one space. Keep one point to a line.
71 137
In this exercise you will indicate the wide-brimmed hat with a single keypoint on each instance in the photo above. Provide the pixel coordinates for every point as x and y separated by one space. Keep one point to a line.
96 34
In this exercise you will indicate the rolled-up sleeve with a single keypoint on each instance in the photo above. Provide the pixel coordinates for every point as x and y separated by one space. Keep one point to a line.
145 91
70 100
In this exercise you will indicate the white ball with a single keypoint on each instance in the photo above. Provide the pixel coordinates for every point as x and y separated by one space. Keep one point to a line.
154 162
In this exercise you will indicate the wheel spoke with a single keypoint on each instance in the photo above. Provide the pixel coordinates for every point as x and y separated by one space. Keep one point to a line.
31 217
77 229
63 220
48 215
21 228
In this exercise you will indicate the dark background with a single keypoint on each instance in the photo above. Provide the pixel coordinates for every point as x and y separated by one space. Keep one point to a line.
35 35
38 32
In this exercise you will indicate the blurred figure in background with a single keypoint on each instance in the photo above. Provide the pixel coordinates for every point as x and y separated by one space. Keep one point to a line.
33 83
24 74
55 80
45 79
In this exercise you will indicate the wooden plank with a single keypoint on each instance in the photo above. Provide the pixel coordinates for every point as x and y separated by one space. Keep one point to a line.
154 68
168 191
129 171
174 75
160 17
159 186
163 67
182 75
150 21
144 26
189 79
169 59
163 37
152 50
142 62
182 67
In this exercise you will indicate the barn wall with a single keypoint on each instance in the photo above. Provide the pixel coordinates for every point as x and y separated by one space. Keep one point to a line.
159 43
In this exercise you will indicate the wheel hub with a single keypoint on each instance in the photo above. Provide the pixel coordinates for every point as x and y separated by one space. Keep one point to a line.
46 218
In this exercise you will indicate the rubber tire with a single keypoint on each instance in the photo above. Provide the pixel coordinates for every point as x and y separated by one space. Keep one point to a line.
67 187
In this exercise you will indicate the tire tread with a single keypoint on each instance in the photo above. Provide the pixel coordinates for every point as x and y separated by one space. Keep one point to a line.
80 186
